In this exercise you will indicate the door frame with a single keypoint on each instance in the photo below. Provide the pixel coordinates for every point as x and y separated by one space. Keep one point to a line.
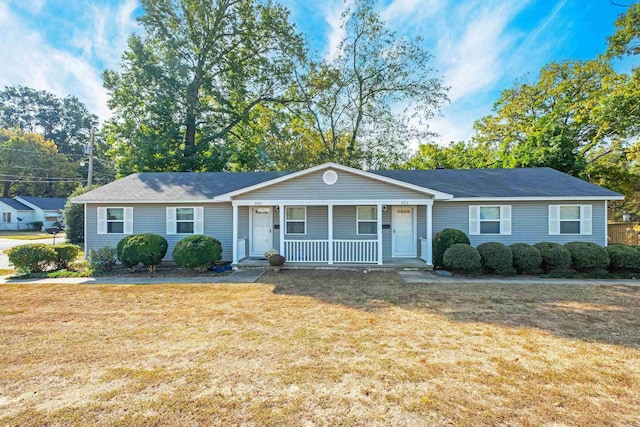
251 252
414 209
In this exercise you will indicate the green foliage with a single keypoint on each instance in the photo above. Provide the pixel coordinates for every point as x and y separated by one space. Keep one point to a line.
130 260
103 259
147 249
586 256
74 218
623 259
554 256
34 257
65 255
462 257
197 251
495 257
456 155
626 39
36 225
444 240
526 258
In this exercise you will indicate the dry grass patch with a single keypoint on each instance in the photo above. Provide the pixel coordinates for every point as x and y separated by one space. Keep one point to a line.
306 348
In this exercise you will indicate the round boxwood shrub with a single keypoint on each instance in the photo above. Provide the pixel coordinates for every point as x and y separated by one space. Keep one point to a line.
586 256
131 260
623 258
444 240
197 251
463 258
65 255
147 249
495 257
33 258
526 258
554 256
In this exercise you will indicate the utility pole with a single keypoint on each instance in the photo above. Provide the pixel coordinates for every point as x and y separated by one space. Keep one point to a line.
90 172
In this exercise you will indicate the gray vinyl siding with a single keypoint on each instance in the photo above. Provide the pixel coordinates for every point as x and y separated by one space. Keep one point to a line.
529 222
152 219
349 187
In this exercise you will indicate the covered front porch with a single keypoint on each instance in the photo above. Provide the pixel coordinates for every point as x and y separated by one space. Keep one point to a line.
373 233
387 264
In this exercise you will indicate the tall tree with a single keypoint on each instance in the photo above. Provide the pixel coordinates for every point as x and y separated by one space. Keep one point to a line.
194 76
374 96
31 165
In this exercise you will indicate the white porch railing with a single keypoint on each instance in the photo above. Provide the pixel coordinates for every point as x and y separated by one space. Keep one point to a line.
242 248
306 250
424 248
361 251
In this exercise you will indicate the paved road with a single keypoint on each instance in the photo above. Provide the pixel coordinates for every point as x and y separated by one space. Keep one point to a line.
10 243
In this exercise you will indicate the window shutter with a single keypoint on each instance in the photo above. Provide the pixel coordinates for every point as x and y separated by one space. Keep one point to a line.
585 219
505 220
554 219
128 220
474 220
102 221
198 220
171 221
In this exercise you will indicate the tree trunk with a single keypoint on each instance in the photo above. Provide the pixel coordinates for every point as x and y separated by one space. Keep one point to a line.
7 187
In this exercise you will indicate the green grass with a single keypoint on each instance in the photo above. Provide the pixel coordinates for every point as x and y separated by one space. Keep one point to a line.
28 235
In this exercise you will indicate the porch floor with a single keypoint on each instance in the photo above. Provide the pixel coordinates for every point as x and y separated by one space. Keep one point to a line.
387 264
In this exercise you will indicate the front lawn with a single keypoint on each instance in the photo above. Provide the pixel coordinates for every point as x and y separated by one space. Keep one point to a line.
30 235
333 348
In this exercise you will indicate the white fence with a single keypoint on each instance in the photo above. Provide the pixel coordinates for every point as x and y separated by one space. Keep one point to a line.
360 251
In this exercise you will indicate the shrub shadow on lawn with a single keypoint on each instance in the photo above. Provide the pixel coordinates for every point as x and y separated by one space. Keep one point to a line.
605 313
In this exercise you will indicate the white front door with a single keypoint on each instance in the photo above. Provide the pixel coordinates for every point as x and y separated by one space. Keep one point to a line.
261 237
404 242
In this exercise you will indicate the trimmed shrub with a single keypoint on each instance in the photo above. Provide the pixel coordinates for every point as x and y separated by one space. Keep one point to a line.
103 259
444 240
554 256
147 249
36 225
495 257
462 257
586 256
623 258
65 255
526 258
34 257
131 260
197 251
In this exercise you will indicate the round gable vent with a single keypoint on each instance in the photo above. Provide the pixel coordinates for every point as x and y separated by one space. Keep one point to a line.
330 177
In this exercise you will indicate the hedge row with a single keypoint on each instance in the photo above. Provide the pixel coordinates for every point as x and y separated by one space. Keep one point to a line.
37 257
497 258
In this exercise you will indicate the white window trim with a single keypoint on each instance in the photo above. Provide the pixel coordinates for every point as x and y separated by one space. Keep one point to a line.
172 221
358 220
586 220
6 215
127 220
475 221
287 221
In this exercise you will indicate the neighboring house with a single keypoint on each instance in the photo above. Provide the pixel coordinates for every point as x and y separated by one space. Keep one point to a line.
15 215
46 209
333 214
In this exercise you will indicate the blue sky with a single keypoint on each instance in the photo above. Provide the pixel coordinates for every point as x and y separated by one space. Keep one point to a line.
479 47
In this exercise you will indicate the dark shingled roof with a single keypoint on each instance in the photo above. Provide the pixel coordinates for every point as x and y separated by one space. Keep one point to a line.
46 203
520 182
15 204
185 186
176 186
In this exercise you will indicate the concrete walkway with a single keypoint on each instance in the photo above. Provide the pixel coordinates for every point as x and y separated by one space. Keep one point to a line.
422 276
238 276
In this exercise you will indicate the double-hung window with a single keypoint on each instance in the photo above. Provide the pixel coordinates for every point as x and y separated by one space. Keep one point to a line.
6 217
367 220
115 220
490 220
570 219
296 220
185 220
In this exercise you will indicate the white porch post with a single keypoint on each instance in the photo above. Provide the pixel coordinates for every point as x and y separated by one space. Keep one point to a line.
379 206
282 225
235 233
430 232
330 231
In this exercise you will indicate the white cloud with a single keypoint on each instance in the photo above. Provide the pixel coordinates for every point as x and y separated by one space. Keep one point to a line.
411 11
333 15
